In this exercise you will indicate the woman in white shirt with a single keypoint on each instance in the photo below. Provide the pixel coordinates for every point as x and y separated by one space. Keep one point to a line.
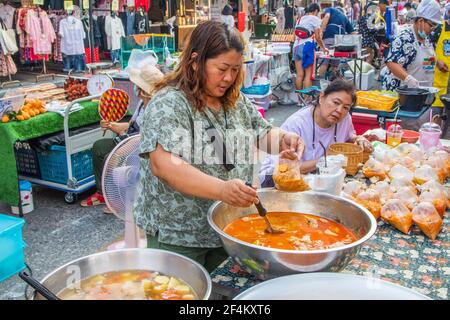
227 16
308 32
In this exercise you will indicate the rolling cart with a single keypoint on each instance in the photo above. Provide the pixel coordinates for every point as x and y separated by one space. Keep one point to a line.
69 168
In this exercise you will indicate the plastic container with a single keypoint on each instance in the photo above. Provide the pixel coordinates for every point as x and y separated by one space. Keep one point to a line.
412 99
12 245
26 160
262 101
410 136
394 135
375 100
363 122
429 135
26 196
53 164
256 89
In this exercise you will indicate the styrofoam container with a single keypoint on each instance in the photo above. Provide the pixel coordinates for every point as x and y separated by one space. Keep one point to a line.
368 79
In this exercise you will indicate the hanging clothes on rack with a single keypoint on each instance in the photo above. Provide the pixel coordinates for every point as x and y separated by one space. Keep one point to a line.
141 24
7 65
55 17
115 31
142 3
72 44
42 34
156 11
128 21
7 15
87 39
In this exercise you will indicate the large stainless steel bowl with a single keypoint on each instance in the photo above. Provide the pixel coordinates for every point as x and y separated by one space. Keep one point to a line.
268 263
165 262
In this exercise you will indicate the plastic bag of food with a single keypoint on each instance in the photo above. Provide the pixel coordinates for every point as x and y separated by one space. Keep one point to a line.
401 182
444 156
379 150
352 189
287 176
397 214
433 184
407 196
390 157
427 219
424 174
370 199
373 168
439 165
398 171
407 162
437 197
407 148
384 189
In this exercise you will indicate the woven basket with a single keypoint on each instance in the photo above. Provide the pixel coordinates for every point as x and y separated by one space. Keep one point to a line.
353 152
366 156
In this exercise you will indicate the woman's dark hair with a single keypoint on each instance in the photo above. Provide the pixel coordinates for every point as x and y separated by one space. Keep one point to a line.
227 10
208 40
312 7
408 5
339 85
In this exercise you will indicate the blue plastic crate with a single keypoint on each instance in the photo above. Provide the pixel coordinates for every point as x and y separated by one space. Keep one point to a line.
53 164
11 246
256 89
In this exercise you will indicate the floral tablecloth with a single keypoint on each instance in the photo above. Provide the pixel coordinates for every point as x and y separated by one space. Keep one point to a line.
411 260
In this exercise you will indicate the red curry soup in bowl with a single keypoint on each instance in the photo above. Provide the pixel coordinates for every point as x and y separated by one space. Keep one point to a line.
300 231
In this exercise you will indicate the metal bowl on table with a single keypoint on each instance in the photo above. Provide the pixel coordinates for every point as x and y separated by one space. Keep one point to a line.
266 263
165 262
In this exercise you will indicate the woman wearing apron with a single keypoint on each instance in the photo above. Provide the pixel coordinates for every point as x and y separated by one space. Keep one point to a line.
411 59
442 73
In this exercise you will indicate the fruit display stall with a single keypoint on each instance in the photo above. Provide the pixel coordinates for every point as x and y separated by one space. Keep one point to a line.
39 111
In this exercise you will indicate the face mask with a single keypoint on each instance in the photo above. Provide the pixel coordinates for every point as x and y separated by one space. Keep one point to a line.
422 34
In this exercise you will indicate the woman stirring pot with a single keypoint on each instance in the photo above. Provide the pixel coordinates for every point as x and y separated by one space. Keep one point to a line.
188 144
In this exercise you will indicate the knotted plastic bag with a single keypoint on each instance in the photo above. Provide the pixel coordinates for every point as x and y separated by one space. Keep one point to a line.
370 199
407 196
384 189
427 219
401 182
373 168
399 171
437 197
287 176
352 188
397 214
424 174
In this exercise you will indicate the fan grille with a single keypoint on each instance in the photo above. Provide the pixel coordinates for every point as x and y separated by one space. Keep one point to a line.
121 174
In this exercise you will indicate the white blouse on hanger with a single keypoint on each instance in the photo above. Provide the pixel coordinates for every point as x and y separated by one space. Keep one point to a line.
72 36
115 31
7 15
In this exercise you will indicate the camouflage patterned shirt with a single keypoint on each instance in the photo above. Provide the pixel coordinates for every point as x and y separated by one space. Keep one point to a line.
171 121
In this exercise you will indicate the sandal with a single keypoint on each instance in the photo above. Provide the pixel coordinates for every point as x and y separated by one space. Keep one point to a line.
107 210
93 200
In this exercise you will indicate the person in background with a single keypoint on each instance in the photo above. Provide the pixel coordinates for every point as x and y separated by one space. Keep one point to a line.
406 62
441 73
304 47
410 13
368 39
289 15
183 169
143 81
356 6
334 22
327 121
227 16
411 60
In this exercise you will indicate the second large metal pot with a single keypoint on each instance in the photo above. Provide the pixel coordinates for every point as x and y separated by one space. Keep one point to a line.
162 261
268 263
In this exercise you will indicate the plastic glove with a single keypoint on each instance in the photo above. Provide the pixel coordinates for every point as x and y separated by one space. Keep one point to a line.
411 82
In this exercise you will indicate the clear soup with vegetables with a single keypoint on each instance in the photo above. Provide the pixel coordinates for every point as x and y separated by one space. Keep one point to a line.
129 285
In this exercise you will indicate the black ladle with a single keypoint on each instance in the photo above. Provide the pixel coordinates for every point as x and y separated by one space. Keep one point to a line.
263 213
39 287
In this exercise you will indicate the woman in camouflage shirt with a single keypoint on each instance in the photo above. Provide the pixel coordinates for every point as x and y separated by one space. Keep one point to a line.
183 167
